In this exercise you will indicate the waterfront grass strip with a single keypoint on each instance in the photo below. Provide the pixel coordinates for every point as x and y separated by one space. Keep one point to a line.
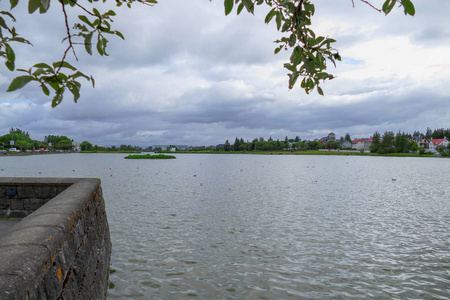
149 156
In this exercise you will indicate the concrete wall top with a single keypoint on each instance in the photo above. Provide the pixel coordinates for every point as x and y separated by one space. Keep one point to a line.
41 181
50 254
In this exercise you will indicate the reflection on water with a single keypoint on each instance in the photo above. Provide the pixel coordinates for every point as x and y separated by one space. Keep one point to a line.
269 227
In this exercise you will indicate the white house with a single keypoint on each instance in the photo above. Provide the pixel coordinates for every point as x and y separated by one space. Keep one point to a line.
434 143
76 146
362 144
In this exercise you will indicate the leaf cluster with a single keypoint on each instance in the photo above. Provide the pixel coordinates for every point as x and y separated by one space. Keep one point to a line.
51 76
309 59
309 53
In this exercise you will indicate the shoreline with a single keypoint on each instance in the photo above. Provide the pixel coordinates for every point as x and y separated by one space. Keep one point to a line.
307 152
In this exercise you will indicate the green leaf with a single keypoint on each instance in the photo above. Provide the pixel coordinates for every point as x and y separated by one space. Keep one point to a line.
42 65
119 34
228 6
54 84
75 90
33 5
99 47
38 72
293 79
85 20
270 15
19 82
93 82
278 49
388 6
58 97
88 43
409 7
240 7
249 5
278 20
45 5
292 40
320 91
45 89
63 64
10 65
13 3
96 12
79 74
10 55
3 23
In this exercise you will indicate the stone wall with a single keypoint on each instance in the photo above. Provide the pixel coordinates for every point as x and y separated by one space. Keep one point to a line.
62 249
19 197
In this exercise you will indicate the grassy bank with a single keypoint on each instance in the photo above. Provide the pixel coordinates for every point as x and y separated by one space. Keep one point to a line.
307 152
125 152
148 156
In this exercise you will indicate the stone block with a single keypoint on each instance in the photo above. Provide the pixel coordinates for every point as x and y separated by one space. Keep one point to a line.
32 203
5 203
44 192
17 204
25 191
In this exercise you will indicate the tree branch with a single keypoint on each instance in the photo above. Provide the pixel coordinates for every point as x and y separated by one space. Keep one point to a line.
370 4
69 37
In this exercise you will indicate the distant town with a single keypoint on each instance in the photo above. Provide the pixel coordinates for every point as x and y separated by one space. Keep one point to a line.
436 142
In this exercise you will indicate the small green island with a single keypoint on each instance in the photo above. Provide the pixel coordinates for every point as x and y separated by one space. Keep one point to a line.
149 156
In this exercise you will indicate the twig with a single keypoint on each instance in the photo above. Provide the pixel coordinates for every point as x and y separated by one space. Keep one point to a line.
69 37
370 4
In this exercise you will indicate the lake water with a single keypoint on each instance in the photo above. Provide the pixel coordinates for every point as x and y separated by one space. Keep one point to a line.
268 227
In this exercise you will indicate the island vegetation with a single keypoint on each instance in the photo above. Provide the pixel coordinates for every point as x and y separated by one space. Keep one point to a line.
149 156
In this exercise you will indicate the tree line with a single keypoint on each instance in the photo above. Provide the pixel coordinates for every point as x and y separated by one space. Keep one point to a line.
260 144
20 139
382 144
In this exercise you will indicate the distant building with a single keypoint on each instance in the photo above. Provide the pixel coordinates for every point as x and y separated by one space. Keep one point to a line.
345 144
434 143
76 146
362 144
168 147
330 138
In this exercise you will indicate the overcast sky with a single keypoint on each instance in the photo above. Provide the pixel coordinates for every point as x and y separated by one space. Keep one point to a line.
187 74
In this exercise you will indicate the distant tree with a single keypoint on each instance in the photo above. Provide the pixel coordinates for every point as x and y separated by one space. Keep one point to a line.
414 146
236 144
86 146
376 143
428 133
441 150
417 134
297 139
387 143
20 139
64 144
347 137
227 146
333 145
401 143
315 145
